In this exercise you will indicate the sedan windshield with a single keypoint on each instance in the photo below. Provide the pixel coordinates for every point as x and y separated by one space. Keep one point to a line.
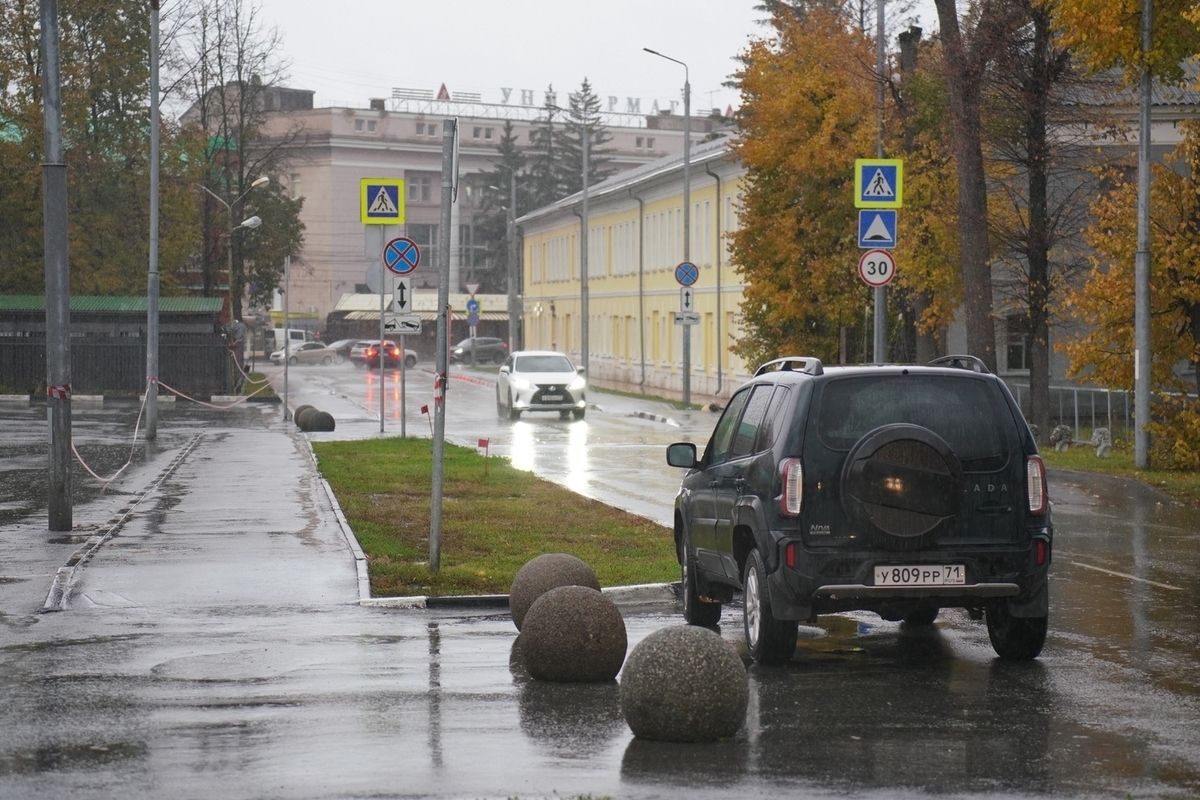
547 363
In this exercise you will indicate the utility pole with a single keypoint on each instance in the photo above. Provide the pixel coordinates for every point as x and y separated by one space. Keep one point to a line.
449 180
1141 269
152 277
880 331
514 281
585 137
58 279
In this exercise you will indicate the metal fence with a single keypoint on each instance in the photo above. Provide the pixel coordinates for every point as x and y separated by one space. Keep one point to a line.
190 363
1083 409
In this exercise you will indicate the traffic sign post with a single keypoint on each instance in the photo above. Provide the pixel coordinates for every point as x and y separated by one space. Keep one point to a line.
876 228
401 256
687 298
381 201
687 318
687 274
877 268
402 295
878 183
402 325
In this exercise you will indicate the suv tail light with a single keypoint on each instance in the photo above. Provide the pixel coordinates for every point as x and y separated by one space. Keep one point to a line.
792 496
1035 484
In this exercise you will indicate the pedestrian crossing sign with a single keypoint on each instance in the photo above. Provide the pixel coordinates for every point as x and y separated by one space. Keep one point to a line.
381 201
878 183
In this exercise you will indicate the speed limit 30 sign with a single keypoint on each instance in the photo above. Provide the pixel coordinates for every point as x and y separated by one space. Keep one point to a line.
877 268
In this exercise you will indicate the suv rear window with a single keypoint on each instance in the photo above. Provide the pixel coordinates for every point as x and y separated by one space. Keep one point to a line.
963 411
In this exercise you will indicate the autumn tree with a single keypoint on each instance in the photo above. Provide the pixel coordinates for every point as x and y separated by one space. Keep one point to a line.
228 66
969 46
104 47
1105 301
808 110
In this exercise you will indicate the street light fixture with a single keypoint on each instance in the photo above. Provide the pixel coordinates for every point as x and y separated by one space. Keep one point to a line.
687 213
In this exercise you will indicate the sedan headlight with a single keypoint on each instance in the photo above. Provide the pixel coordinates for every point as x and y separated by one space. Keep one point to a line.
520 383
579 384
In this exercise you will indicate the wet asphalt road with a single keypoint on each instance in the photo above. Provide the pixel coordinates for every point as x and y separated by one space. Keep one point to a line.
214 646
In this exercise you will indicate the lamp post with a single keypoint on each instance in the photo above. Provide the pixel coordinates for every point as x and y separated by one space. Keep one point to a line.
687 213
253 222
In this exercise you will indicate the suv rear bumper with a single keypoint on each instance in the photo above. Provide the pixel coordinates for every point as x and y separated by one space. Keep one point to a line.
828 581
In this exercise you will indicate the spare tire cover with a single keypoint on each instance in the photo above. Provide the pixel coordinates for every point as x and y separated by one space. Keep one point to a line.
902 486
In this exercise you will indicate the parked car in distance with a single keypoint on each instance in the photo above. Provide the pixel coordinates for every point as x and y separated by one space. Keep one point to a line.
342 347
540 380
487 349
306 353
367 353
895 489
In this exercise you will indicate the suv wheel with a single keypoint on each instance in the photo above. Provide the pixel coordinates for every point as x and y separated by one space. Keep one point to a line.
695 610
921 618
771 641
514 413
1017 638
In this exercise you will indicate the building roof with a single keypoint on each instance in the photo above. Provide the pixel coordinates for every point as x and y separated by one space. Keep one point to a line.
702 153
116 305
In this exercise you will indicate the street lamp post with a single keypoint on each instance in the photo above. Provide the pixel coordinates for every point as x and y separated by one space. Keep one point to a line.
687 213
259 181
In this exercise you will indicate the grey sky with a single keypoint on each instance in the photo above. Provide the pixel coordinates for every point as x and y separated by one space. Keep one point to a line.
352 50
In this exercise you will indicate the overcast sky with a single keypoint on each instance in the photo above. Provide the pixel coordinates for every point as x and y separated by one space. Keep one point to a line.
348 51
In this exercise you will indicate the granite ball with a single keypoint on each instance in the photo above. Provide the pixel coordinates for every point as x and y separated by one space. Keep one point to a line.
573 634
321 421
303 417
684 684
543 573
299 410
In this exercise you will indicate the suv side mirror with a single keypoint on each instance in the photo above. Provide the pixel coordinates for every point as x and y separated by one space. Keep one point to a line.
581 370
682 454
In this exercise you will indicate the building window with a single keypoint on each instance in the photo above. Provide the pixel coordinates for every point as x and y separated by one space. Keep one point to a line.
476 132
295 185
420 129
358 124
432 127
487 133
1018 341
370 126
419 189
649 142
641 142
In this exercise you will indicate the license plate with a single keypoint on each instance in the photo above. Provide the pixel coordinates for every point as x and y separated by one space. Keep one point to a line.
921 575
552 398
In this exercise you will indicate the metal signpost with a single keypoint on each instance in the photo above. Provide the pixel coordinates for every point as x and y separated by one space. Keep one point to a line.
878 191
687 274
381 202
401 256
449 195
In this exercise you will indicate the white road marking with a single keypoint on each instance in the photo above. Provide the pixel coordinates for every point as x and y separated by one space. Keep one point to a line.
1130 577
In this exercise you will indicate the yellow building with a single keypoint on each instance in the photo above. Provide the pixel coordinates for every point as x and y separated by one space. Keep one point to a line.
635 242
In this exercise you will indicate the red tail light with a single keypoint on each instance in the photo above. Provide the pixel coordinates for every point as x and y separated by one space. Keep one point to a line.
1035 485
789 555
395 351
792 497
1040 551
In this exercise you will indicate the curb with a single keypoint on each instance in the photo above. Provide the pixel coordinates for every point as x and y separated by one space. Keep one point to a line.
637 595
654 418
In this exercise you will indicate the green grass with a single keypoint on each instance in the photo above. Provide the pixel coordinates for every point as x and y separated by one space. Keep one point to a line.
1183 486
255 381
493 522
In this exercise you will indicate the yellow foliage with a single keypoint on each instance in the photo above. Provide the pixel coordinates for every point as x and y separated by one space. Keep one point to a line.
1107 33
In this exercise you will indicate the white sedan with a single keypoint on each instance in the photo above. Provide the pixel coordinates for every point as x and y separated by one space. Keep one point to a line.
540 380
307 353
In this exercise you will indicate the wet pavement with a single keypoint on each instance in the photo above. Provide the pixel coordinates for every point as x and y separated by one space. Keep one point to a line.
213 644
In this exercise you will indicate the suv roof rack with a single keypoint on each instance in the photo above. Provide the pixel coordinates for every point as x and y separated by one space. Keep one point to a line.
811 366
973 363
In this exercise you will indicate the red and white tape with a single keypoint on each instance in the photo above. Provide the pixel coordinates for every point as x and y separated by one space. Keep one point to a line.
59 392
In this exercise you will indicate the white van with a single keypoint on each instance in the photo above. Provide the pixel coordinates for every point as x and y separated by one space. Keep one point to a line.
297 336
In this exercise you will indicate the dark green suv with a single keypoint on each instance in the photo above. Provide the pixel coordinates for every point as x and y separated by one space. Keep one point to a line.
894 489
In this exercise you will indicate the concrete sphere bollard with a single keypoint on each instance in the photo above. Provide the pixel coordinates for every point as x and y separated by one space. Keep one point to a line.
543 573
321 421
303 417
684 684
573 634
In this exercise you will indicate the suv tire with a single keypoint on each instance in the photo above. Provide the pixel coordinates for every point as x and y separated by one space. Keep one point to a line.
695 610
772 642
921 618
514 413
1015 638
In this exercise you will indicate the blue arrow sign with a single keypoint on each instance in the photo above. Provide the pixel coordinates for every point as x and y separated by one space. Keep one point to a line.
401 256
876 228
473 306
686 273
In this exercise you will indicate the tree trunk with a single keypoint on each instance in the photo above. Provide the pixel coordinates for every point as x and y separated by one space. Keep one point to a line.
1037 146
963 79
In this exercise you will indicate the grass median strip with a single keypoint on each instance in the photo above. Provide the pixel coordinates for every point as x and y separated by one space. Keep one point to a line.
492 522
